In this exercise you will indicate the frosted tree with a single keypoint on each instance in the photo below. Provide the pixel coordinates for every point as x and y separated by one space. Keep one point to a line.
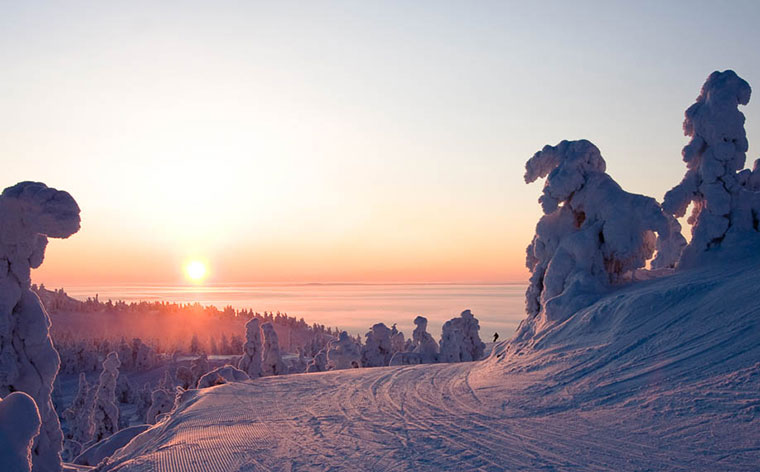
460 341
592 234
144 355
724 202
318 363
125 354
343 353
77 406
162 402
377 350
397 339
250 363
271 361
30 212
299 365
144 400
19 425
424 343
105 415
199 367
185 377
125 392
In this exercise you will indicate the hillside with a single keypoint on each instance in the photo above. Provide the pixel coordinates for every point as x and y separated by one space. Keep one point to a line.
662 374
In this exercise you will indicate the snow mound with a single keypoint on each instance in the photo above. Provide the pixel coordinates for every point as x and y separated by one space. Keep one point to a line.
19 424
645 341
222 375
105 448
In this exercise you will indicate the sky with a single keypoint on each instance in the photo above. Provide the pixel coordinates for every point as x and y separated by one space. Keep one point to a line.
341 141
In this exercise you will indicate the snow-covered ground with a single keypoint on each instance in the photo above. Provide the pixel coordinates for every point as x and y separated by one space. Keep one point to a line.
662 374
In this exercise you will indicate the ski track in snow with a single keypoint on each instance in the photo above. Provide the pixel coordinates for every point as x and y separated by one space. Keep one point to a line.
426 417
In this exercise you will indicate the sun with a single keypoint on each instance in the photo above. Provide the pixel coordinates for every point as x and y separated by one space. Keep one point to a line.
195 270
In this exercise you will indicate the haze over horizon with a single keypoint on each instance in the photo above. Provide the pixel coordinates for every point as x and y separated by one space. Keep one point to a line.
338 142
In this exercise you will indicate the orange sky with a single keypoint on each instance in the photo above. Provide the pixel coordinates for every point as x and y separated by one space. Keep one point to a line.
335 141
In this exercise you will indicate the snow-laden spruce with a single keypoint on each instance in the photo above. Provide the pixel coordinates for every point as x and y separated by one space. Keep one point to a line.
377 350
592 234
318 363
424 343
250 363
460 341
343 353
77 406
271 360
30 212
422 350
105 415
725 202
162 402
222 375
19 425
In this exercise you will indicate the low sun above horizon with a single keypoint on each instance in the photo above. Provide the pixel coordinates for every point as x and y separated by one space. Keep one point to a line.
196 271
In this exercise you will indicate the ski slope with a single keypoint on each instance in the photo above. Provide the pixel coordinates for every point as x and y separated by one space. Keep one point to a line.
663 374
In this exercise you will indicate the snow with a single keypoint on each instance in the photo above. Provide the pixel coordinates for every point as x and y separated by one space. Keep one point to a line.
343 353
19 425
656 375
318 363
105 448
30 212
161 402
460 341
222 375
377 349
271 359
250 363
592 235
424 344
725 201
105 415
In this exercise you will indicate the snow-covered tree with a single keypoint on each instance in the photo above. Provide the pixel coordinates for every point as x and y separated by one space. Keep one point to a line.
19 425
30 212
105 415
185 377
318 363
144 355
144 400
161 402
125 355
460 341
424 343
377 350
199 367
250 363
343 353
724 202
222 375
271 361
299 365
592 234
125 392
397 339
77 406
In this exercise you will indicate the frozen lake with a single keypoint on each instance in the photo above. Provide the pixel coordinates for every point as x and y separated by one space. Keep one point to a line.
354 307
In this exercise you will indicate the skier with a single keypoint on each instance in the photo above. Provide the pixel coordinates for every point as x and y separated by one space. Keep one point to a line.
495 336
